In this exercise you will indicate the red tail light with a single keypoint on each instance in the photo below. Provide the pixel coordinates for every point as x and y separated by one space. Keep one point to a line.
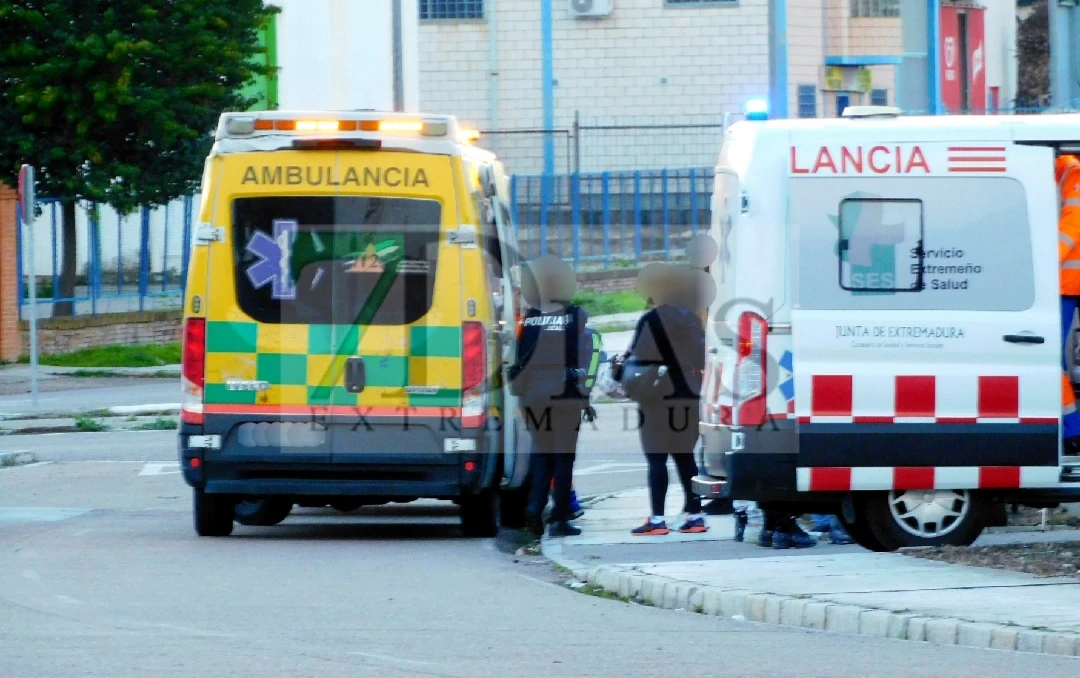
750 377
193 367
473 355
473 374
193 371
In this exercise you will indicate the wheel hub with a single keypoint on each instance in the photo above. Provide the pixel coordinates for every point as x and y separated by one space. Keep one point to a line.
929 514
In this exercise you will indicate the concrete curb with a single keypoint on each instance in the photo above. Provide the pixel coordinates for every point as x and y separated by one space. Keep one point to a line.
808 613
164 409
16 459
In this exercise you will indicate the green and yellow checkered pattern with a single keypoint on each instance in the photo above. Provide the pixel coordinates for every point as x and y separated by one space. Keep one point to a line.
304 364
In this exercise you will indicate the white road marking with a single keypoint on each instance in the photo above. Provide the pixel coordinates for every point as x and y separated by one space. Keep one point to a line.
31 575
67 599
154 468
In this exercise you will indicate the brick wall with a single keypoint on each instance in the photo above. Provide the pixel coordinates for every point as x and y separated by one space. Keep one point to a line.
63 335
9 298
647 63
608 281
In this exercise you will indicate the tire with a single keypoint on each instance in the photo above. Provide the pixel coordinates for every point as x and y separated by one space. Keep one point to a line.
862 534
900 519
346 505
480 514
213 514
262 512
512 506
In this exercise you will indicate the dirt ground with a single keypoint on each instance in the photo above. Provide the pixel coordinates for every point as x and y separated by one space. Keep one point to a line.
1060 559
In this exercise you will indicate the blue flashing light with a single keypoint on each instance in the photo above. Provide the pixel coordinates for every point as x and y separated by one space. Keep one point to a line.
757 109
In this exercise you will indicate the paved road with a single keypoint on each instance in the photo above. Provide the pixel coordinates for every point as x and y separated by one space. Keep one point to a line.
103 575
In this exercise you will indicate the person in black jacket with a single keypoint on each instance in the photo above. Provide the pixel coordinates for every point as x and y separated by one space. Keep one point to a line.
671 335
546 377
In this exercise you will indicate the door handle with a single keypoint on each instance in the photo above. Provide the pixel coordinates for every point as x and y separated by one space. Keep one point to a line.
355 375
1023 339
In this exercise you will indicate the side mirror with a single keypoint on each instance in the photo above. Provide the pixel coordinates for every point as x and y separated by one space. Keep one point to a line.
488 183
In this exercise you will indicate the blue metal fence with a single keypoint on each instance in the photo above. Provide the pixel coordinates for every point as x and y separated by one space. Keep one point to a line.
607 218
113 271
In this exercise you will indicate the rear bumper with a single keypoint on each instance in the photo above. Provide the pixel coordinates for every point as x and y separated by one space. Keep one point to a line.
260 455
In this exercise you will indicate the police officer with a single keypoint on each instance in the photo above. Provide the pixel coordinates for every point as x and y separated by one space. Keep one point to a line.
550 384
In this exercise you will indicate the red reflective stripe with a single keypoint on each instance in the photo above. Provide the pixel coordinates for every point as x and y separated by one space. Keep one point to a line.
830 479
916 396
999 397
831 395
999 477
913 478
334 410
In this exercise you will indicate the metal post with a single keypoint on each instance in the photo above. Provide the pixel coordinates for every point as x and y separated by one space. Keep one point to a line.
399 78
577 141
33 311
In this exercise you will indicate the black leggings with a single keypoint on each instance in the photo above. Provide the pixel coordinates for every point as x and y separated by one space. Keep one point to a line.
658 480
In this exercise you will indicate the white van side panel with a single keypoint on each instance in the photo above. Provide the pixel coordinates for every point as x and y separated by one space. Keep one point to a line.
751 273
899 386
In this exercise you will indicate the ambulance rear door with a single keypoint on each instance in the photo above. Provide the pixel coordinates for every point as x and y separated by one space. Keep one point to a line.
926 327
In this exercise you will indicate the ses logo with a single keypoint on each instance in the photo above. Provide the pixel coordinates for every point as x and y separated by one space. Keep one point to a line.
867 245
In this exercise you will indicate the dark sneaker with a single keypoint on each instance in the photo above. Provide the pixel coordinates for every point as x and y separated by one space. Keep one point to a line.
766 538
694 526
563 529
796 539
576 513
650 529
741 519
840 537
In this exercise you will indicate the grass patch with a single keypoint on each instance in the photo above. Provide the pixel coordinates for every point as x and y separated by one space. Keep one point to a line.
592 590
98 374
159 424
87 424
607 303
144 355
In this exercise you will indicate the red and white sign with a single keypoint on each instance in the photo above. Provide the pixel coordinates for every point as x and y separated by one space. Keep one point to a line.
869 159
896 160
976 59
979 159
950 58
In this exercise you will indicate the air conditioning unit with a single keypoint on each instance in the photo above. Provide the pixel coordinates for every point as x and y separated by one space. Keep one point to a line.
589 9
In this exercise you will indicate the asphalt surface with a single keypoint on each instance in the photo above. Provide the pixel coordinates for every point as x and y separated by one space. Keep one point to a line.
102 574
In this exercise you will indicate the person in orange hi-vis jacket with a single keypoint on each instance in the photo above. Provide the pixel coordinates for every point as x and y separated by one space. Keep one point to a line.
1067 173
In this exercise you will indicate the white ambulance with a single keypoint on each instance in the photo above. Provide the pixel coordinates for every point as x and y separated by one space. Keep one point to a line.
886 339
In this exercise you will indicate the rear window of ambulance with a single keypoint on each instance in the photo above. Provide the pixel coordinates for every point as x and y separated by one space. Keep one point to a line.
335 260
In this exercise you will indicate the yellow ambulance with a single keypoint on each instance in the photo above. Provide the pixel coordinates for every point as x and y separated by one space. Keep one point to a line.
349 305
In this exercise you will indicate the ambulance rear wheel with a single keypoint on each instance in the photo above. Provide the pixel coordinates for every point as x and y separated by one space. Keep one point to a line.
480 514
213 514
902 518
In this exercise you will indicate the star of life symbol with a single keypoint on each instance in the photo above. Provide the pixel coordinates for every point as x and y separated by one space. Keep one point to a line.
274 265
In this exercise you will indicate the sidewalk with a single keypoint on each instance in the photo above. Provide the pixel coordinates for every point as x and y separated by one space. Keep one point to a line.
843 589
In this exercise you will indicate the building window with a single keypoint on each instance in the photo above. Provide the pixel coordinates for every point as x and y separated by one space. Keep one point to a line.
875 9
807 101
879 97
451 9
